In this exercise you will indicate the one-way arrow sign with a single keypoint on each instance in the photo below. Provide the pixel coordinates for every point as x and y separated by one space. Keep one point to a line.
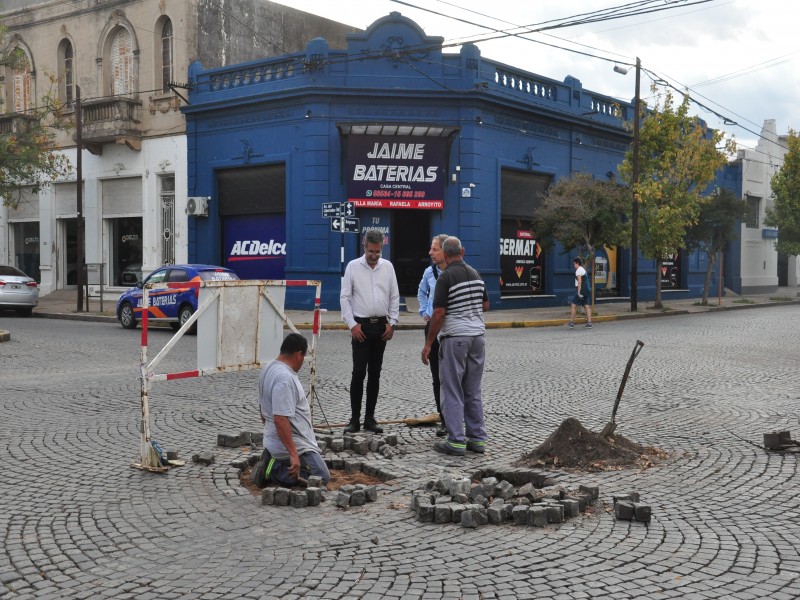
351 225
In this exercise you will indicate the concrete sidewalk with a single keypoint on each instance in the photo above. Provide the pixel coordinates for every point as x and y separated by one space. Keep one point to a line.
62 304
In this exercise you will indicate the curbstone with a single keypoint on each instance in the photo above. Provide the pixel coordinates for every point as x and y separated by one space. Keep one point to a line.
299 499
268 496
281 496
314 496
537 516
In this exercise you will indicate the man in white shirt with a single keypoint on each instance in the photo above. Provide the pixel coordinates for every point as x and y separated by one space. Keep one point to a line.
582 294
370 301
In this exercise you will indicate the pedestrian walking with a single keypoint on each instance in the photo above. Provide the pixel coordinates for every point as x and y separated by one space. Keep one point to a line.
370 302
459 302
582 294
427 287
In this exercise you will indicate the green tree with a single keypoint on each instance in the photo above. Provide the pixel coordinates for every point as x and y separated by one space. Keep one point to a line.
579 212
714 228
785 211
678 159
28 156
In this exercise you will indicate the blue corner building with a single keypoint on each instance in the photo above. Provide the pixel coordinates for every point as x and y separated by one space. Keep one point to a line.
408 139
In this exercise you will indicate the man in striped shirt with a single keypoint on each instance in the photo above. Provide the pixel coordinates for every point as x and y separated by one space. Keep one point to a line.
458 306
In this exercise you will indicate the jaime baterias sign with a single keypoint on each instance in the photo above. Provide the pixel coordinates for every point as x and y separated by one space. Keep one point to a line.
396 171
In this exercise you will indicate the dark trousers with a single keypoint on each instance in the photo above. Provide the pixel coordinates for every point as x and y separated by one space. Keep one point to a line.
433 361
367 363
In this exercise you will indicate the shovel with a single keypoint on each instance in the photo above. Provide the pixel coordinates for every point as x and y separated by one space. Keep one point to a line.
612 424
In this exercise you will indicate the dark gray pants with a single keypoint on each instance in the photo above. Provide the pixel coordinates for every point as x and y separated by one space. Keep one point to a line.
460 372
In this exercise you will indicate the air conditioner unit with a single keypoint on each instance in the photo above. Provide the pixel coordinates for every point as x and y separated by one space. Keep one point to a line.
197 206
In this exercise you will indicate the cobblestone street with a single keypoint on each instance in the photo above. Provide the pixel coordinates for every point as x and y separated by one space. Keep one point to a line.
78 522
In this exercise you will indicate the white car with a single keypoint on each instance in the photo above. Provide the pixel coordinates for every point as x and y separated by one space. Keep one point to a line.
17 291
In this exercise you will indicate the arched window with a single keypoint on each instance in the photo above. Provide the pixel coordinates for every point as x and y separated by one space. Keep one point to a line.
122 64
21 81
66 72
166 55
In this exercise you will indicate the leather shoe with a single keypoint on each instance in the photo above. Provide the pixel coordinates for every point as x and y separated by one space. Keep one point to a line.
441 431
352 427
372 425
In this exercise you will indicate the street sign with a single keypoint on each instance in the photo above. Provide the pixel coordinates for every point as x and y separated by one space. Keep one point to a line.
351 225
331 209
348 209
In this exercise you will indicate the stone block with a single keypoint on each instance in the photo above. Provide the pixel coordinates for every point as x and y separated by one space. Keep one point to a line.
240 463
352 466
477 489
592 490
555 513
426 513
642 512
461 498
525 491
268 496
342 499
460 486
417 496
387 452
315 496
281 496
337 445
584 500
204 458
471 518
571 507
443 500
348 488
624 509
391 439
299 499
374 445
507 510
253 458
630 497
496 513
519 515
537 516
358 498
360 446
481 500
443 513
322 447
227 441
257 437
371 492
315 481
489 482
504 490
457 510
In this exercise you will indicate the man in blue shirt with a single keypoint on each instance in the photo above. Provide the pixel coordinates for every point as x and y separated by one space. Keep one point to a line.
425 296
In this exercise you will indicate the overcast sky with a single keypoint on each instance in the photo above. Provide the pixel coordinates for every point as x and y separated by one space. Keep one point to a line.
739 57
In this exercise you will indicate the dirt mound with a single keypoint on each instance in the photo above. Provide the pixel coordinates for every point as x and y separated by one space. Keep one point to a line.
574 446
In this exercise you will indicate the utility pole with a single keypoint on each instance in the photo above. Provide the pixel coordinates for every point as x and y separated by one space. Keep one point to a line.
80 258
635 185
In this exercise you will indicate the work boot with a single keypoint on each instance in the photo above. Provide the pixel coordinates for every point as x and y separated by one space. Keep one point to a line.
353 426
441 431
476 447
452 448
372 425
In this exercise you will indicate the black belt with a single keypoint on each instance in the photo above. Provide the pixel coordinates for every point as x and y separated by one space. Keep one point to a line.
371 320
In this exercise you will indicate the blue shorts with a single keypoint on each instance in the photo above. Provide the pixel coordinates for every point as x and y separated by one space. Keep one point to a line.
583 301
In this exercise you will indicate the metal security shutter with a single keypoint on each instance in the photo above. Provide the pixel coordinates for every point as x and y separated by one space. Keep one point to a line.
252 190
66 200
27 208
122 197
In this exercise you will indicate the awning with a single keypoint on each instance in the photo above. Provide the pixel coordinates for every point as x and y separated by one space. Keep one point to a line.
417 129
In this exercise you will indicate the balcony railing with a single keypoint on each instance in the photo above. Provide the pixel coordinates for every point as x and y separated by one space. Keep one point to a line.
112 120
16 123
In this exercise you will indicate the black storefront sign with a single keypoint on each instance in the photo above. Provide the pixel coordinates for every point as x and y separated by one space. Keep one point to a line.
521 260
396 171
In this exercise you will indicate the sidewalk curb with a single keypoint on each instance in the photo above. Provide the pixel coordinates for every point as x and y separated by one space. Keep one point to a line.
489 325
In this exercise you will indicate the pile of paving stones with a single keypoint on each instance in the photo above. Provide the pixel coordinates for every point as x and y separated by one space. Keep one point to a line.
629 508
492 498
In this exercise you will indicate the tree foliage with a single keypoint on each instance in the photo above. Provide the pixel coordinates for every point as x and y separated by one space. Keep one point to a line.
579 212
715 227
678 159
28 156
785 211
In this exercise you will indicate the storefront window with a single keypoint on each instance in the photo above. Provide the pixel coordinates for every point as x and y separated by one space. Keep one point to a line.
26 248
125 250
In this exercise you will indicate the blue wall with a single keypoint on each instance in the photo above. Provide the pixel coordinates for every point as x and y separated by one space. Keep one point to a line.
291 110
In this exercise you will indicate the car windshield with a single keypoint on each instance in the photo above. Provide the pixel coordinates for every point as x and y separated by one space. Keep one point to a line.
11 271
218 275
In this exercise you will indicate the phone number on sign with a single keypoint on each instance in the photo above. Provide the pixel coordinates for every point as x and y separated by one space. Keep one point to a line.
396 194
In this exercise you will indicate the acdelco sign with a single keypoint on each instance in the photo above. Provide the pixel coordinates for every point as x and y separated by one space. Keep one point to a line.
245 249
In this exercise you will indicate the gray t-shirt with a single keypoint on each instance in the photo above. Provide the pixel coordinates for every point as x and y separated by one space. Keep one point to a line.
281 393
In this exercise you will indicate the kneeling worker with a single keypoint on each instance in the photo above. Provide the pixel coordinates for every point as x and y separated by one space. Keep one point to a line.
290 446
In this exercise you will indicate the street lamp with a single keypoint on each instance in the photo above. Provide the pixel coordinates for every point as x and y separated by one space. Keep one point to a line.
634 185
